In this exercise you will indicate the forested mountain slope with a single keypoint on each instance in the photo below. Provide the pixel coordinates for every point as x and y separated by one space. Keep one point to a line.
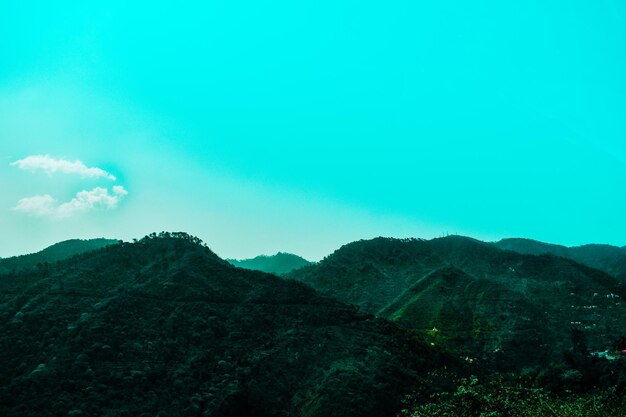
503 307
164 327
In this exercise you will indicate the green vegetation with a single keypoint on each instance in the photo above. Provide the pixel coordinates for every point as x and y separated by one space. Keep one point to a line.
505 398
54 253
278 264
581 384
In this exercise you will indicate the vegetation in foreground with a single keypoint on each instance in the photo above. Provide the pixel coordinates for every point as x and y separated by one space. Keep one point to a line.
581 385
506 399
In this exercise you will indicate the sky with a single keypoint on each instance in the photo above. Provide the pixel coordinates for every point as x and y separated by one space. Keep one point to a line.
301 126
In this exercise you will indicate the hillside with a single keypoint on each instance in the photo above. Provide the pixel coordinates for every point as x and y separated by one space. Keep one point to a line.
165 327
500 307
607 258
56 252
278 264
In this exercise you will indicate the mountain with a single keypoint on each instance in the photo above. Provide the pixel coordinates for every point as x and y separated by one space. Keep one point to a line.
499 307
56 252
165 327
607 258
278 264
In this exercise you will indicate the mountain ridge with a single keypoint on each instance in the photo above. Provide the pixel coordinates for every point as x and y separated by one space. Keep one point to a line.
608 258
280 263
56 252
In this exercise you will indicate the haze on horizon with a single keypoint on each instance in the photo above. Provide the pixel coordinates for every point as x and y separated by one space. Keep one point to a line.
301 127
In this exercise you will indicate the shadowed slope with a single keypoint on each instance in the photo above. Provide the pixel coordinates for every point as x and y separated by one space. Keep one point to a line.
56 252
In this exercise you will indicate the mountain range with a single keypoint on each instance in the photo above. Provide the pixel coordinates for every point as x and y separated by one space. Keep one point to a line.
497 306
165 327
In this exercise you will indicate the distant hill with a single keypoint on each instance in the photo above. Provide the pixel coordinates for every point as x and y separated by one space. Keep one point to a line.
509 309
279 264
56 252
165 327
607 258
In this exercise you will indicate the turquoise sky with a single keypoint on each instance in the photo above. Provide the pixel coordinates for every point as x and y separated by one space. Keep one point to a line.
301 126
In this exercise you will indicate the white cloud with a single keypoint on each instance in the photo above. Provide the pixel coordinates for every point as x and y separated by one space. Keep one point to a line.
50 166
39 205
89 200
98 198
119 190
